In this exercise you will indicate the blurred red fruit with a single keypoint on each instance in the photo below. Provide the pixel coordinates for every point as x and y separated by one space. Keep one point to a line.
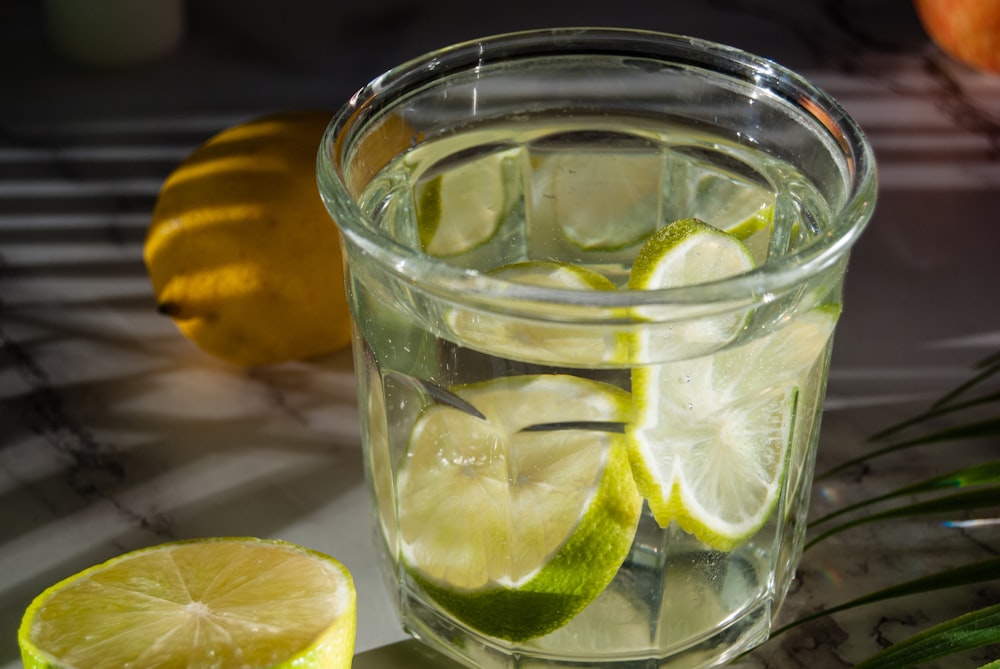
968 30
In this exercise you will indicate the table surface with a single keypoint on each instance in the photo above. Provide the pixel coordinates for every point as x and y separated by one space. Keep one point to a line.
117 433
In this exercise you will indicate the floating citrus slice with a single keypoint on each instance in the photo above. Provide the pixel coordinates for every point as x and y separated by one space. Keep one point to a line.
514 520
601 200
711 435
463 207
540 340
684 253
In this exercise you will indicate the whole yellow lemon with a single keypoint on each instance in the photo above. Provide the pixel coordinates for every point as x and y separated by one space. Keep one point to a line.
241 252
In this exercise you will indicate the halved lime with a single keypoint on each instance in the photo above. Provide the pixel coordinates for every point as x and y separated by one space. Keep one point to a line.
514 521
536 340
711 437
224 602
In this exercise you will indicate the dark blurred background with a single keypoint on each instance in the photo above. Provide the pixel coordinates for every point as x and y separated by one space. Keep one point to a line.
243 56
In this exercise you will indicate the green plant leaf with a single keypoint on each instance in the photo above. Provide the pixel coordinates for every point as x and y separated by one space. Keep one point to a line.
985 428
959 502
944 405
979 572
935 413
989 366
967 477
966 632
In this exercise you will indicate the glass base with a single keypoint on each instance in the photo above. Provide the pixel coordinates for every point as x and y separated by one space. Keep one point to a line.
715 647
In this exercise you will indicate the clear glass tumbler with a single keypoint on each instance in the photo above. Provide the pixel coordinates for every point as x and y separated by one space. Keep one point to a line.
594 276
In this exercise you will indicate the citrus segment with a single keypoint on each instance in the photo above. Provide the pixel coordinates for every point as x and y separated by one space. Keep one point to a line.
757 220
555 343
601 200
711 437
516 521
688 252
228 602
462 208
554 274
731 198
683 253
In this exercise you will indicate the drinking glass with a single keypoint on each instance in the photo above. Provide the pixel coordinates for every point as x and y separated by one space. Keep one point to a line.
594 277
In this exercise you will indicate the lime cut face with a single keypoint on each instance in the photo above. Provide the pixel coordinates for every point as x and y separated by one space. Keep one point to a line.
685 252
688 252
463 207
600 200
554 274
227 602
514 521
712 436
558 343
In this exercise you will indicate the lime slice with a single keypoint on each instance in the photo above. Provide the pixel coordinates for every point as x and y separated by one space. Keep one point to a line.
683 253
553 343
712 436
225 602
462 208
511 528
754 230
734 199
759 219
601 200
379 465
716 474
554 274
688 252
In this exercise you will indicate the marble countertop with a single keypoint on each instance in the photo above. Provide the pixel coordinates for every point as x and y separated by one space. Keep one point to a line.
115 432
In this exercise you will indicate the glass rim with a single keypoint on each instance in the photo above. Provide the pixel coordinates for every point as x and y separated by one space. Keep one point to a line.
722 61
